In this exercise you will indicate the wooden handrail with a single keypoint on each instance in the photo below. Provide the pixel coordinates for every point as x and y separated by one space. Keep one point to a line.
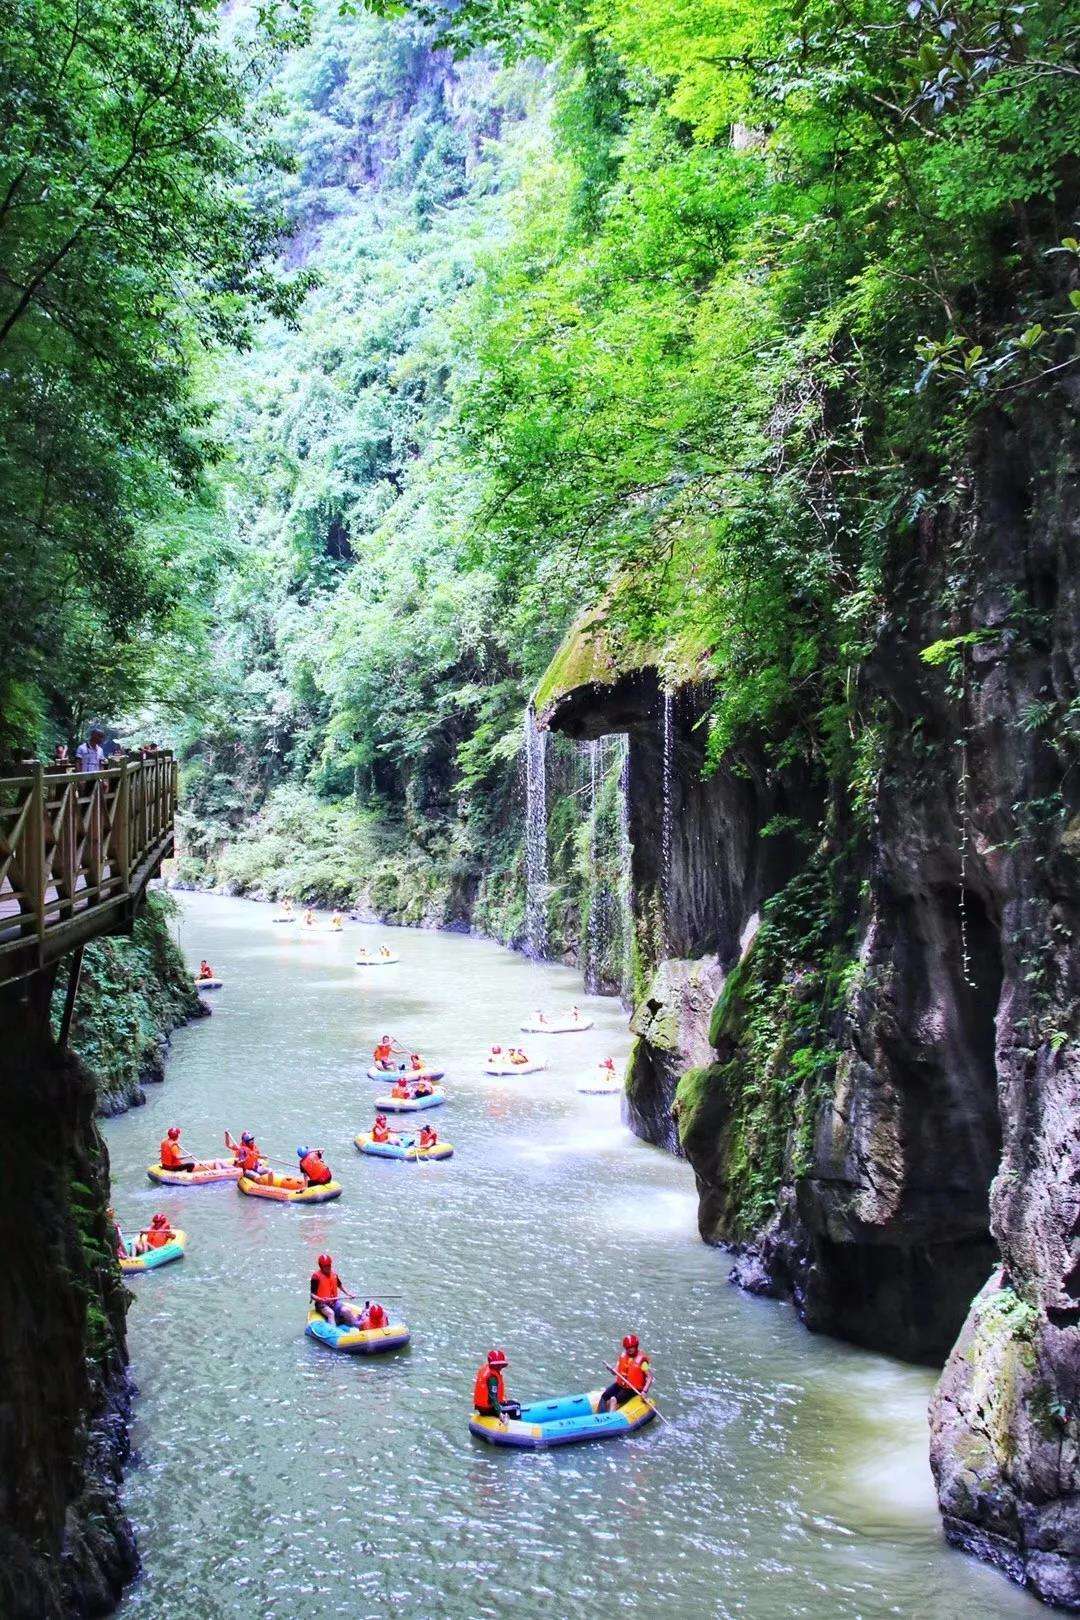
77 849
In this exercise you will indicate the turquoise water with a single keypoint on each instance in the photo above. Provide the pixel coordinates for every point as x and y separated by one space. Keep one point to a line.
275 1478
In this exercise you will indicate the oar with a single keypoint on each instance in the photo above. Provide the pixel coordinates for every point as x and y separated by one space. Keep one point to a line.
637 1392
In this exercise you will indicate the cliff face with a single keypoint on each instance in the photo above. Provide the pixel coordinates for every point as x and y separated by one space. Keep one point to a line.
888 1111
65 1545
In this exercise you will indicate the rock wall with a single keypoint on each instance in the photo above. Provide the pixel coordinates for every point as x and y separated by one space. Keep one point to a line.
889 1107
65 1545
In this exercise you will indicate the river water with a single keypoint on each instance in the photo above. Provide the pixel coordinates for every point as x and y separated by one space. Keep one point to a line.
275 1478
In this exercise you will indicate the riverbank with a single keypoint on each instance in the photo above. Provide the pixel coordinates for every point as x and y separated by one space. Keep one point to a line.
790 1478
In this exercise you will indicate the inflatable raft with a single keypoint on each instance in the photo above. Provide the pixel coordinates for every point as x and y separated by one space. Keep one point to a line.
404 1148
388 1076
514 1068
353 1341
208 984
595 1089
410 1105
173 1250
209 1170
285 916
562 1422
557 1026
376 961
289 1190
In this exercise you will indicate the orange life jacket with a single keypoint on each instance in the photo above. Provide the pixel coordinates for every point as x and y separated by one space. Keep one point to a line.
399 1089
171 1154
246 1155
417 1065
633 1369
380 1133
315 1170
325 1285
376 1317
382 1053
158 1236
481 1398
428 1137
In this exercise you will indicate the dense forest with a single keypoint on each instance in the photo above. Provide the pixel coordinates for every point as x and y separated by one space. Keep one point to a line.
384 379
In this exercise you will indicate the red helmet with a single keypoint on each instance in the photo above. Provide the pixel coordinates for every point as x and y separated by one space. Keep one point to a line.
173 1132
630 1342
380 1119
325 1262
497 1358
160 1220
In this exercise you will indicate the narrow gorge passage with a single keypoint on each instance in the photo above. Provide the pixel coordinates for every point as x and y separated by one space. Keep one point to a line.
271 1474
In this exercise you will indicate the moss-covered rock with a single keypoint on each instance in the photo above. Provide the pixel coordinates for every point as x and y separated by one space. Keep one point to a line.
132 994
596 653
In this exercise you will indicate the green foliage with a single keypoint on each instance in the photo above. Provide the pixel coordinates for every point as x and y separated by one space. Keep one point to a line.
775 1029
132 993
128 246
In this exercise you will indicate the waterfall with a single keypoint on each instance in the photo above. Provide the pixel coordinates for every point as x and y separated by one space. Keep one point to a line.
626 881
667 813
592 942
536 854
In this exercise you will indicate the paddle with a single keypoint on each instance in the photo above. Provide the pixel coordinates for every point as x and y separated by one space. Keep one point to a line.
637 1392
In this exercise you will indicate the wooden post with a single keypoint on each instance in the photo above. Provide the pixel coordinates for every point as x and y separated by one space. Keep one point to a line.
33 864
121 834
70 995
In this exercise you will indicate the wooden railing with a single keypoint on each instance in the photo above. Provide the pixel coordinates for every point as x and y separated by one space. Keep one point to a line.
77 850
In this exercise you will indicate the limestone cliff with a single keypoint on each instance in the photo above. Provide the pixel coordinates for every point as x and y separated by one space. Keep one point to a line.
888 1111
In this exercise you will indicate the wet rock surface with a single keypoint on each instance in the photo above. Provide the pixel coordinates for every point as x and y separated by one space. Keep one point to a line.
65 1545
891 1109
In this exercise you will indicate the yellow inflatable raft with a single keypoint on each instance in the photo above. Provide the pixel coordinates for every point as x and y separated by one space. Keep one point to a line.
289 1190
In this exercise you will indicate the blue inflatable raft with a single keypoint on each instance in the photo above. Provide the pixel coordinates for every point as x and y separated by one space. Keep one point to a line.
352 1341
563 1422
173 1250
404 1148
410 1105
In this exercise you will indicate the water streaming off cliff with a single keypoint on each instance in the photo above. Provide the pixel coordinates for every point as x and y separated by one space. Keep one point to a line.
536 852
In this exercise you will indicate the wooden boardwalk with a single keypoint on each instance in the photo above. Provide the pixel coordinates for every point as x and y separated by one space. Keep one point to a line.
77 850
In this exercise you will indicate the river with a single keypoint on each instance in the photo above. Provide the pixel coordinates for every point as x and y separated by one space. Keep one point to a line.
275 1478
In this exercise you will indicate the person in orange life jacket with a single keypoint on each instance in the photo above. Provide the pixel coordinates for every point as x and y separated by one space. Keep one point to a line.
422 1088
154 1236
400 1089
373 1315
428 1137
383 1054
380 1131
246 1153
313 1167
171 1154
416 1062
633 1376
489 1391
328 1294
205 970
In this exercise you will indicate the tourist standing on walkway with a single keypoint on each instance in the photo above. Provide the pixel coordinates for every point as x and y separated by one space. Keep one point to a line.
90 754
